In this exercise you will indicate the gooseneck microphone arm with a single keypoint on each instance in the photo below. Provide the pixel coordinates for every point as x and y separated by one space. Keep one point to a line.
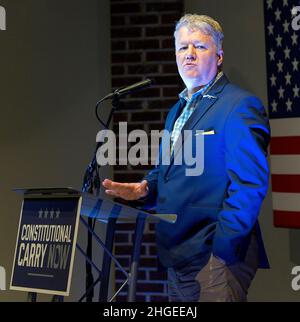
91 181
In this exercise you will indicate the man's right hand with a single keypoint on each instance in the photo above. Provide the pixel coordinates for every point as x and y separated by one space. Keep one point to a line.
127 191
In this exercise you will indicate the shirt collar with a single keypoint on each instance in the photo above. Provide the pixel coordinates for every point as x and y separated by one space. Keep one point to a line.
201 91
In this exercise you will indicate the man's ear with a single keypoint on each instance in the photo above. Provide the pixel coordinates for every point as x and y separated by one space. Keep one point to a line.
220 55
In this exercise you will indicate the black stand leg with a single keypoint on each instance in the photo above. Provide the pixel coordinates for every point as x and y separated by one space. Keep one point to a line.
106 262
89 275
57 298
139 229
31 297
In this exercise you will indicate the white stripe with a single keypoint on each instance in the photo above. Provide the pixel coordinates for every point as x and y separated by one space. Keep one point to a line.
285 127
285 164
286 201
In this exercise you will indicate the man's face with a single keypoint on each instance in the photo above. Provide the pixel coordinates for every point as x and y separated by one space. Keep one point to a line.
197 57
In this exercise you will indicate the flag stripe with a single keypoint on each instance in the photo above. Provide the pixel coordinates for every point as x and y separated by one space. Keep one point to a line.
283 82
285 145
286 219
286 183
285 164
285 127
286 201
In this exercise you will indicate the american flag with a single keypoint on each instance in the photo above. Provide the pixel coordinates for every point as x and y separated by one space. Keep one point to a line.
283 72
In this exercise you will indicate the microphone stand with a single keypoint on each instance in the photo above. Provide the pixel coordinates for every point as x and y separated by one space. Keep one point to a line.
92 184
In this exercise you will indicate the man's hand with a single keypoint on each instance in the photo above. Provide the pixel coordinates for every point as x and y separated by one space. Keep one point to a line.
127 191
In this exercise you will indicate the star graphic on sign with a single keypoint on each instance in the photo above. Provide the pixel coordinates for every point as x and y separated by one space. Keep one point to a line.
269 2
277 14
271 28
288 78
281 92
296 91
57 213
286 26
280 66
272 54
294 38
287 52
274 106
273 80
41 214
289 104
279 40
295 64
51 214
285 3
46 213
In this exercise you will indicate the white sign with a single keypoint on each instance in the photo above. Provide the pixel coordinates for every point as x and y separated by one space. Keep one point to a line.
2 279
2 18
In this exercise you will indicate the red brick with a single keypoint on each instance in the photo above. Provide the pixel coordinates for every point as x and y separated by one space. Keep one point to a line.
117 20
149 238
170 68
126 81
121 238
126 32
159 31
145 116
131 105
120 117
171 18
164 6
123 227
162 104
143 69
171 91
127 249
142 20
125 57
149 92
151 287
127 7
118 45
144 44
160 56
168 43
158 275
117 70
167 80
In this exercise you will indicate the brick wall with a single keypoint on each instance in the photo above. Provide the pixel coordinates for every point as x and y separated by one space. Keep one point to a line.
143 46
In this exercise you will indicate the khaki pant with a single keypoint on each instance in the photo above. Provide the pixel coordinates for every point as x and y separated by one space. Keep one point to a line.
215 282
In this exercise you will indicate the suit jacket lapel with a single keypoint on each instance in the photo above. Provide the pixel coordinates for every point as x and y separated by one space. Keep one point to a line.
203 106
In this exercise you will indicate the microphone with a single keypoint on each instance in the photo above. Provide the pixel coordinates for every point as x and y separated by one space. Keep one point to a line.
129 89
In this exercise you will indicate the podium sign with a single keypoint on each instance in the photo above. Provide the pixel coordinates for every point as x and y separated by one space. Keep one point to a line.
46 241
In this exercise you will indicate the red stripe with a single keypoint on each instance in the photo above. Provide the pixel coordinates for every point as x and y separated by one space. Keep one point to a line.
286 183
285 145
286 219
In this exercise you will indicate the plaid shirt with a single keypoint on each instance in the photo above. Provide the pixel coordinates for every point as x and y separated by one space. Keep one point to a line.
189 108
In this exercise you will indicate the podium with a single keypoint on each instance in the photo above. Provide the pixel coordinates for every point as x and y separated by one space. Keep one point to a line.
47 239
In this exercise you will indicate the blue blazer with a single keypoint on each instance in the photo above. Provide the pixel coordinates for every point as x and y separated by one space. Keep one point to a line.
218 210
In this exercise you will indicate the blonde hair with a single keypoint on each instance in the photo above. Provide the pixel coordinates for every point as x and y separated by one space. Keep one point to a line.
203 23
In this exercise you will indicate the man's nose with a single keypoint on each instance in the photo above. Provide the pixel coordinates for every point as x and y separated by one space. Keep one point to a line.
190 53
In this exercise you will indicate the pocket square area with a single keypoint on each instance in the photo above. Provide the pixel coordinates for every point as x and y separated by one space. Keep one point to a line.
210 132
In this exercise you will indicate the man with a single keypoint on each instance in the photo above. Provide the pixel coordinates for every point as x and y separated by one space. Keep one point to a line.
213 250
